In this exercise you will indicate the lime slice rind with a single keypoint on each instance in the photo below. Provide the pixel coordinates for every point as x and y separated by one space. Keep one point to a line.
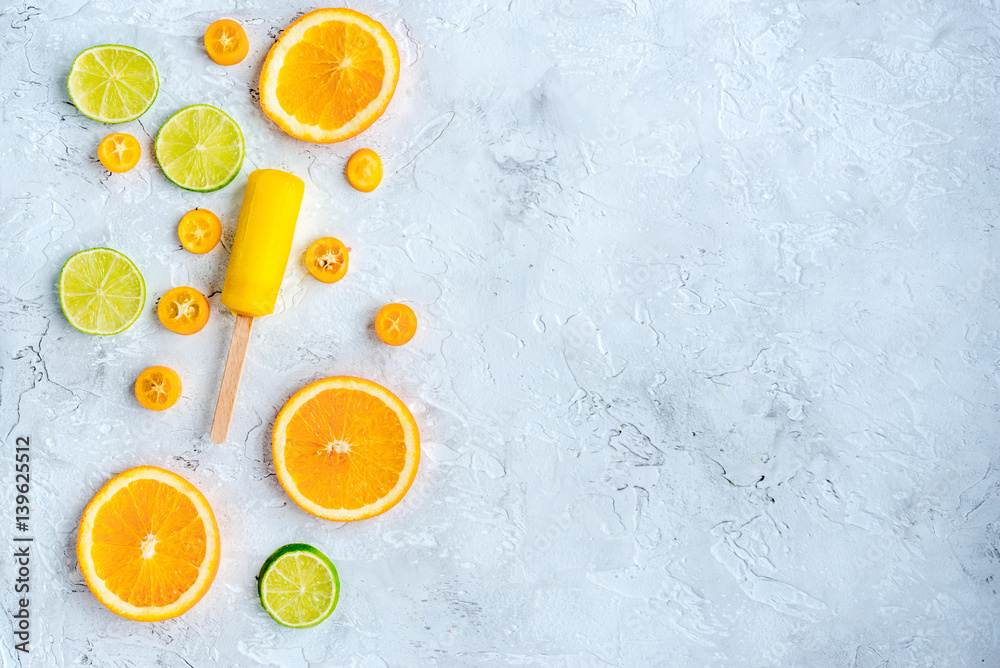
200 148
298 586
101 291
113 83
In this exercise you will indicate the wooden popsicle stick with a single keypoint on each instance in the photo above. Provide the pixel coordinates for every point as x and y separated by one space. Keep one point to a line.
231 378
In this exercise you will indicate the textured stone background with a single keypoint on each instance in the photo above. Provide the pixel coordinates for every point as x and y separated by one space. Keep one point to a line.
707 366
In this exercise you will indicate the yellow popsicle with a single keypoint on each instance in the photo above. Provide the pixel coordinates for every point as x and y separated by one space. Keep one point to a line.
263 241
256 267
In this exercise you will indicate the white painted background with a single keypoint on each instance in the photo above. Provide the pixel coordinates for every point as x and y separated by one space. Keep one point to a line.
707 366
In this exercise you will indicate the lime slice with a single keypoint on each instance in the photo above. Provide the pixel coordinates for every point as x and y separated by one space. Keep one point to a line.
113 83
298 586
200 148
101 291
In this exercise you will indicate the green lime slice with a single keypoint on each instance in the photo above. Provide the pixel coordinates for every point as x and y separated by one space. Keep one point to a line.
101 291
298 586
112 83
200 148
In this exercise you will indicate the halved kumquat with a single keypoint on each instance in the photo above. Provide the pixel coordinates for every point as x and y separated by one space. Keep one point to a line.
395 324
226 42
158 388
183 310
119 152
326 259
199 230
364 170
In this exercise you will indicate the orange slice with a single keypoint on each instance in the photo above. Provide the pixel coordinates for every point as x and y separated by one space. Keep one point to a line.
345 448
329 76
148 545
